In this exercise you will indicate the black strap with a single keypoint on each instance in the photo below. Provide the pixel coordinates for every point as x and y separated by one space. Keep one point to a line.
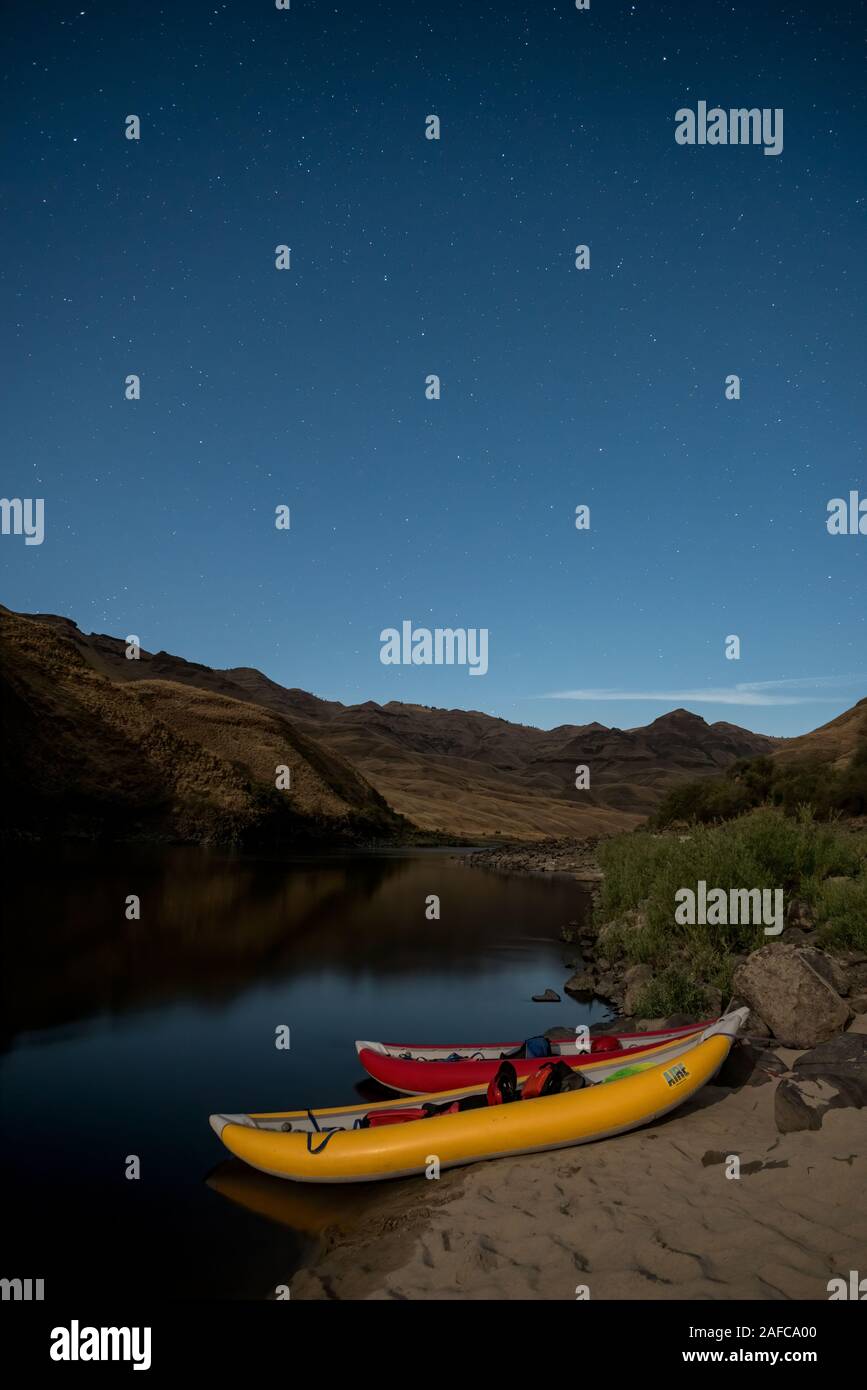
317 1129
327 1133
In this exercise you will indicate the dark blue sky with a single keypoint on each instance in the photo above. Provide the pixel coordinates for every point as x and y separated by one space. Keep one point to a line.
455 257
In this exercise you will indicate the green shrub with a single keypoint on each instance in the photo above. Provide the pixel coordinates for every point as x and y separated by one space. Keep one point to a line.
852 786
764 849
841 910
671 993
750 783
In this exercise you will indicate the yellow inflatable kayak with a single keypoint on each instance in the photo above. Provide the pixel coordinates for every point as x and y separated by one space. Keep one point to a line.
349 1145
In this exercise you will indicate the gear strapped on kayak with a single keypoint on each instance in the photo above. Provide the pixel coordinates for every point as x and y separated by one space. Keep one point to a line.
551 1079
529 1049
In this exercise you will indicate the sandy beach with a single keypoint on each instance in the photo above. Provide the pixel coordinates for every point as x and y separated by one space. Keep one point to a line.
648 1215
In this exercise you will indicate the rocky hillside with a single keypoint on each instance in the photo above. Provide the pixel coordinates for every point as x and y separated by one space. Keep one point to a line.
834 744
461 772
86 754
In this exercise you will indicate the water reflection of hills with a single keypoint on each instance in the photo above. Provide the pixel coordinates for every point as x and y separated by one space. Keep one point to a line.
210 925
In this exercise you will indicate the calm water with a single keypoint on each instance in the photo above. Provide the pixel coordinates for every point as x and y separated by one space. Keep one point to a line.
122 1037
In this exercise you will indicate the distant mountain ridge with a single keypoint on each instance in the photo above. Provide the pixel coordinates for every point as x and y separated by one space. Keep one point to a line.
462 773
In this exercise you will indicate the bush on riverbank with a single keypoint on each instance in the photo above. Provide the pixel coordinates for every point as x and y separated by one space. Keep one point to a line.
672 993
751 783
817 863
841 908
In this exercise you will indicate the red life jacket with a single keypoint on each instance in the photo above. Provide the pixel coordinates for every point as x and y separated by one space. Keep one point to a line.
374 1118
504 1086
551 1079
535 1085
606 1044
392 1117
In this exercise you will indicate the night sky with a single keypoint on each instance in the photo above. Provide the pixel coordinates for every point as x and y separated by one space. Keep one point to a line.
409 257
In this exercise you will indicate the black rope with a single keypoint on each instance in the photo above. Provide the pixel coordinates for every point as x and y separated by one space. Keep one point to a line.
328 1133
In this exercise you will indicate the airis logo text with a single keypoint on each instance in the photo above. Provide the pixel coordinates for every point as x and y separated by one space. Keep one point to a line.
674 1075
440 646
76 1343
737 126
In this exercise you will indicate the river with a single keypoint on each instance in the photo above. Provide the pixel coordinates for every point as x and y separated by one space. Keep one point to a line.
121 1036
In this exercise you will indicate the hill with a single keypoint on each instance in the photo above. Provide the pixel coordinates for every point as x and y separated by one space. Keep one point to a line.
833 745
85 754
461 772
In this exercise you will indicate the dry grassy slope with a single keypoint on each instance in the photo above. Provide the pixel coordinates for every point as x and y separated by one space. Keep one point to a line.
85 754
455 768
257 741
460 771
465 790
462 797
833 744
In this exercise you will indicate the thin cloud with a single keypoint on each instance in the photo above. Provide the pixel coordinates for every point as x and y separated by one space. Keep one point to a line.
804 682
745 693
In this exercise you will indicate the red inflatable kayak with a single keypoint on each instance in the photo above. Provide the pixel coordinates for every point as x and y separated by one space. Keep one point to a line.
416 1068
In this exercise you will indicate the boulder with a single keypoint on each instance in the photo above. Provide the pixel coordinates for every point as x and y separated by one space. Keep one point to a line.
854 966
754 1027
830 969
795 1001
605 932
636 980
610 986
582 982
680 1021
748 1065
620 1024
628 1023
845 1055
800 914
794 936
630 924
550 996
828 1077
798 1107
